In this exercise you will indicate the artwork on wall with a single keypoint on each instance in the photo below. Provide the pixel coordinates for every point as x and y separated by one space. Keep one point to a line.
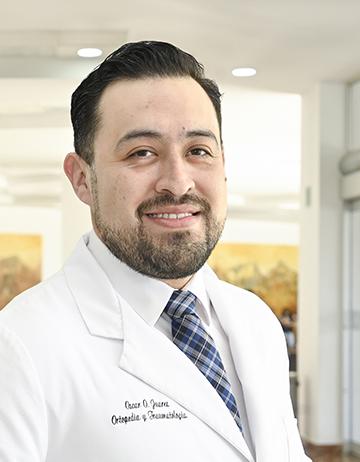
20 264
270 271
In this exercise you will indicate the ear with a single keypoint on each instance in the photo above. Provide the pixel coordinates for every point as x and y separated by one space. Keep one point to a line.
77 170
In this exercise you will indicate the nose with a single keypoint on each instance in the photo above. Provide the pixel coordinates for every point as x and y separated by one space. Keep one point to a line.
175 176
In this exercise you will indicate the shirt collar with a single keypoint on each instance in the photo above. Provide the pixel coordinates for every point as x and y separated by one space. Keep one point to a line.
147 296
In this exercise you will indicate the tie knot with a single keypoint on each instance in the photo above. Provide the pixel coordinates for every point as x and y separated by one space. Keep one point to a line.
181 302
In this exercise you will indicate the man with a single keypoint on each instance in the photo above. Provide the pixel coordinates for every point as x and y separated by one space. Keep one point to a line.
135 351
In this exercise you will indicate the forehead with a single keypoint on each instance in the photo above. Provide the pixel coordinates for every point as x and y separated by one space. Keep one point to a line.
156 103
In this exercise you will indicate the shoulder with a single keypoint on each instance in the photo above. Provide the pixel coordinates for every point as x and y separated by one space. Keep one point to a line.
38 313
36 298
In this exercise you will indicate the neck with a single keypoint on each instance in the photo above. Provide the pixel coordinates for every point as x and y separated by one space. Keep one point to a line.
177 283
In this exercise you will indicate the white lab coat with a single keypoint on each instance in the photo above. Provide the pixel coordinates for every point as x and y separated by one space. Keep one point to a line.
83 378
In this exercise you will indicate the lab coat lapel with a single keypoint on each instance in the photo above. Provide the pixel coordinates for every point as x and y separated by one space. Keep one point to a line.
153 358
94 295
265 423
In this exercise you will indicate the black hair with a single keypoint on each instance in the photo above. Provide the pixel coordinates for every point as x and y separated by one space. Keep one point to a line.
136 60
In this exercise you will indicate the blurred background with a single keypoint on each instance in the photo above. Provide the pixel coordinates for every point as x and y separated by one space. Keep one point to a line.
292 148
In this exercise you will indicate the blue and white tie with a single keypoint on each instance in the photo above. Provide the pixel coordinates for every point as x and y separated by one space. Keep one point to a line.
190 336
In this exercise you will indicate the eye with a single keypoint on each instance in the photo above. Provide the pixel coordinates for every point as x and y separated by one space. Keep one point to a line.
142 154
200 152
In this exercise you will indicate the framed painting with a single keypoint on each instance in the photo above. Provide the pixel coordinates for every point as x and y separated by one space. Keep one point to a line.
30 247
20 264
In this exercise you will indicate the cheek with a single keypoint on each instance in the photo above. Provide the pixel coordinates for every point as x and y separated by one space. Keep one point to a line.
109 196
122 196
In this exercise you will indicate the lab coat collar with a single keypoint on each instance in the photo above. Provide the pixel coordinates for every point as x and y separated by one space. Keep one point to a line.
146 295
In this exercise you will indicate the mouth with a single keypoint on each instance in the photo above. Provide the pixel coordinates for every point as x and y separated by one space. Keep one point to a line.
171 218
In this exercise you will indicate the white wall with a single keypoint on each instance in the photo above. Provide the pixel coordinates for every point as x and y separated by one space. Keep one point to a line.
320 311
261 131
260 231
34 146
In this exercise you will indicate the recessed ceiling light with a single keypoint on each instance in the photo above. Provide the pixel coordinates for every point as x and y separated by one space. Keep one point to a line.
89 52
243 72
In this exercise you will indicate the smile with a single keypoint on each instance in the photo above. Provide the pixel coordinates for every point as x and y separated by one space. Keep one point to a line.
174 219
171 216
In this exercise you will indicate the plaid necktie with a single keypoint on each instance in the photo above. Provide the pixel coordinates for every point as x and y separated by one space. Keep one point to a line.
190 336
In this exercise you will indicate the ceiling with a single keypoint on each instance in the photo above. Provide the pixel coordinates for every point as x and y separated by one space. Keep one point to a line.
292 44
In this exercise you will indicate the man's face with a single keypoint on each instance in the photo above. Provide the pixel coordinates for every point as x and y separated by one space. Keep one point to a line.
158 195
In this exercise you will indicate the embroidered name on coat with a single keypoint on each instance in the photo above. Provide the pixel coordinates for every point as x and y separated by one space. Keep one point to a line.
147 410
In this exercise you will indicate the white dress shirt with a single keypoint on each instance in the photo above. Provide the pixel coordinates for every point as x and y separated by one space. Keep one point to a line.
148 297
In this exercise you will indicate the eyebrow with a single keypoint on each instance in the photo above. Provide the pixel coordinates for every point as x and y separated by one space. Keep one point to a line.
202 133
134 134
145 133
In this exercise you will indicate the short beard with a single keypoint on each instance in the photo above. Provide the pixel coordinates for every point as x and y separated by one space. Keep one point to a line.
172 255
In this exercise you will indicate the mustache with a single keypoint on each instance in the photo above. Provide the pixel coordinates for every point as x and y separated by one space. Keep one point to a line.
168 199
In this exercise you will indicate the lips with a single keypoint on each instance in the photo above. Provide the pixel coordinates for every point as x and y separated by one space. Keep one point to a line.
173 220
172 212
171 216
